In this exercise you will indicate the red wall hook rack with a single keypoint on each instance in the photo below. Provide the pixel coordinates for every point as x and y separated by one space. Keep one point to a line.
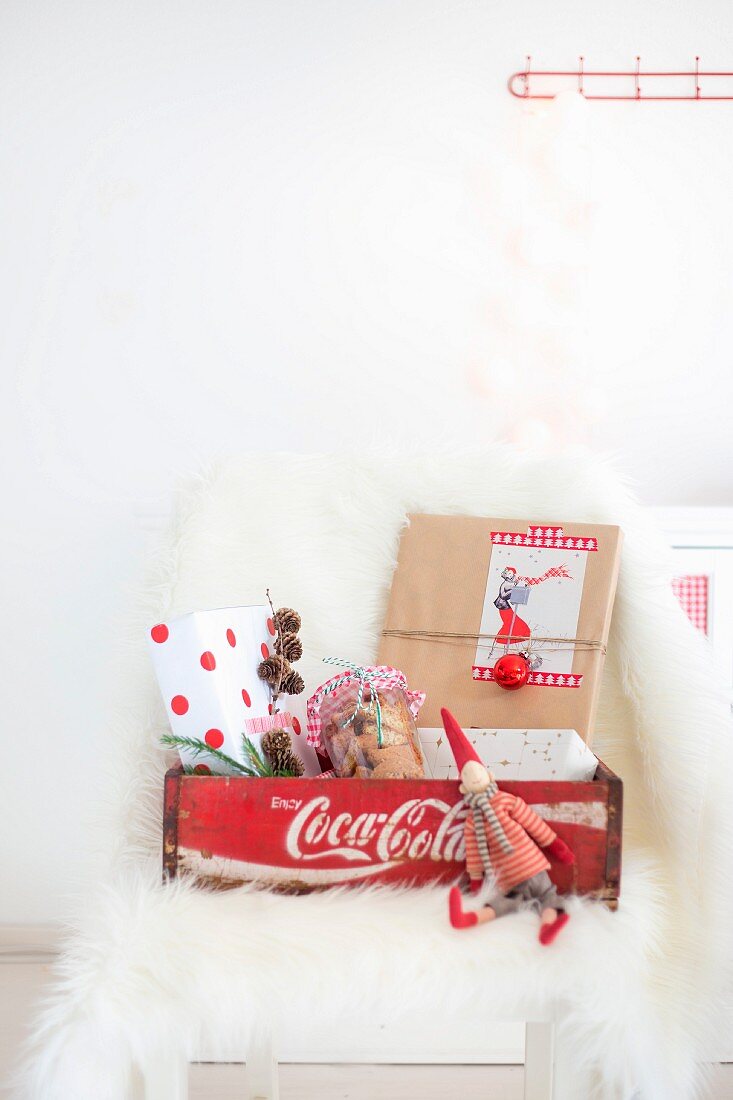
520 83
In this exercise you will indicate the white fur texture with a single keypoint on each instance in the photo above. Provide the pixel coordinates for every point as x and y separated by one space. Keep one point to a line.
637 992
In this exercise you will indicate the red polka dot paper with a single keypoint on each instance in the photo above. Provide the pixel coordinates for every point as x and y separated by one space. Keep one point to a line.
206 665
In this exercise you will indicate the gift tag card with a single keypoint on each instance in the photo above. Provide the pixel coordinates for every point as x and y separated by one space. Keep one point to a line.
532 603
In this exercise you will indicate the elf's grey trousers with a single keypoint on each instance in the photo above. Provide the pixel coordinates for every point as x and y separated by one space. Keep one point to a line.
537 893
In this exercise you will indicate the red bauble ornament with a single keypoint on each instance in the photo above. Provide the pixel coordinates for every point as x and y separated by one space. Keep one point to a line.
511 671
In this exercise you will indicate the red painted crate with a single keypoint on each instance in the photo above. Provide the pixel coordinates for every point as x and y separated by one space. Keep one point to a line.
306 834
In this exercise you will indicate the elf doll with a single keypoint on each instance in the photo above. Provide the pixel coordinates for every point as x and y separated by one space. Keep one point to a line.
506 840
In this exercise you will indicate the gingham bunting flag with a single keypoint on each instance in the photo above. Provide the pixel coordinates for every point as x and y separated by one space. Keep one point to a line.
692 593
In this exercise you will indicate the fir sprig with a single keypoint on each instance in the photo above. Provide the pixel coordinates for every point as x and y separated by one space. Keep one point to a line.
261 765
255 758
257 767
200 748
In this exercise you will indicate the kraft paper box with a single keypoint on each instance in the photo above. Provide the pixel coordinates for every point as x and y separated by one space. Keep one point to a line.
467 589
206 666
514 754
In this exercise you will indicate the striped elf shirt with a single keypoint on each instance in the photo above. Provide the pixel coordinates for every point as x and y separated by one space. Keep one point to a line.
524 829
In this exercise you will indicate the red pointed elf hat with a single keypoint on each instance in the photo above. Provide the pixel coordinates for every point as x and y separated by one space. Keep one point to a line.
463 750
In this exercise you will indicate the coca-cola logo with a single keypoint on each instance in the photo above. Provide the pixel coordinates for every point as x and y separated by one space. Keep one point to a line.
421 828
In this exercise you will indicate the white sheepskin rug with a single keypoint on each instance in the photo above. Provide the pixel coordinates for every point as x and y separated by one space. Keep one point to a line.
637 994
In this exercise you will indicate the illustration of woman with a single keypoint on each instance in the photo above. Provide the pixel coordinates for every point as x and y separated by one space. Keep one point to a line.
516 630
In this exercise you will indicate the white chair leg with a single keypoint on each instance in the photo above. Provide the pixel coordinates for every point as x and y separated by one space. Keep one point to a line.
166 1078
261 1070
136 1089
539 1061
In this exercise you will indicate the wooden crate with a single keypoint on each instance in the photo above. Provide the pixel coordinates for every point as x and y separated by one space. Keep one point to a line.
298 835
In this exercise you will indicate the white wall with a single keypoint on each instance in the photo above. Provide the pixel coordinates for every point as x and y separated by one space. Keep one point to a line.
217 217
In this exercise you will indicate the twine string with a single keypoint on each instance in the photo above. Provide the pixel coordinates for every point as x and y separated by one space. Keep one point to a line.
364 677
572 643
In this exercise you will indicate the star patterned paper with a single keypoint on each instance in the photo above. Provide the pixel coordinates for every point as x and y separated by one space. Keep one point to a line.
513 754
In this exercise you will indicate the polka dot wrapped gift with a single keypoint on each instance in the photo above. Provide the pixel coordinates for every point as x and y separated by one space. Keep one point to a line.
206 665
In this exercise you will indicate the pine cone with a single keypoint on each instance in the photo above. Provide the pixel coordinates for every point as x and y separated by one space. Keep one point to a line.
272 669
276 738
289 645
287 620
292 683
279 750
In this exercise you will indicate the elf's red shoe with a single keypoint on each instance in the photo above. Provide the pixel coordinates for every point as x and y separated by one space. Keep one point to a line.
548 932
458 918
